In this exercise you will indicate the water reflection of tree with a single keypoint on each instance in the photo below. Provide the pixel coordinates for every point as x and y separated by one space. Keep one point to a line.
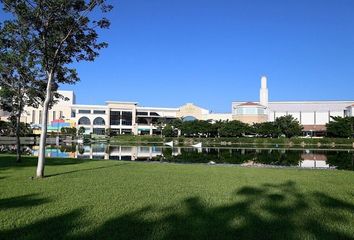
233 156
236 156
341 160
276 157
81 149
68 148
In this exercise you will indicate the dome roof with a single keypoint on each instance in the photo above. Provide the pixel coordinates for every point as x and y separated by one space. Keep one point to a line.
250 104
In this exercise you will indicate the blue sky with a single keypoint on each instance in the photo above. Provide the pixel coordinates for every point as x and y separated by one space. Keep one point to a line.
211 52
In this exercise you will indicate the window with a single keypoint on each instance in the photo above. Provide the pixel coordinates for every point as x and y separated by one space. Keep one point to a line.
249 111
40 117
114 118
126 131
346 113
154 114
61 114
127 118
84 121
82 111
53 115
73 113
142 120
99 112
142 113
33 116
99 131
99 121
189 119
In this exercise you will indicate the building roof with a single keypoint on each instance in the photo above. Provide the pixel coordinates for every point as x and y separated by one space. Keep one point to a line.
314 157
157 109
121 102
319 128
250 104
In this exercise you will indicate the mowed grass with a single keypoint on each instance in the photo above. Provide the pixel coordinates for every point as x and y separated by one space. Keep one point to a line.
88 199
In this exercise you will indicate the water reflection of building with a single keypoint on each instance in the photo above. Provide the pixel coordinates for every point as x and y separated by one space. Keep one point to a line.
122 152
54 152
313 160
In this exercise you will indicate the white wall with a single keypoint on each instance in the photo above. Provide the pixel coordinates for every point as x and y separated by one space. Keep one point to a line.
321 118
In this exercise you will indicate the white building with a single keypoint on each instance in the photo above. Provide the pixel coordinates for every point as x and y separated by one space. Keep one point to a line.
120 117
313 115
130 118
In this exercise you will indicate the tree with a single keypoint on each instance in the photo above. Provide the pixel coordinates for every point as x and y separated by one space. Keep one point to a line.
62 33
176 125
341 127
71 131
169 131
234 129
160 124
266 129
5 128
216 128
81 131
288 126
18 74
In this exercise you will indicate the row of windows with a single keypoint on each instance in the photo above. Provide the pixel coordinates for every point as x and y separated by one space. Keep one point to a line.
147 114
96 121
121 118
102 131
54 116
250 111
87 111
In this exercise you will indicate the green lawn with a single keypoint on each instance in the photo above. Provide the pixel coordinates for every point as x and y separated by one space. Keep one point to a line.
85 199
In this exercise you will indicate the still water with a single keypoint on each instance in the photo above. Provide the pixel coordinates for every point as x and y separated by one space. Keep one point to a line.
302 158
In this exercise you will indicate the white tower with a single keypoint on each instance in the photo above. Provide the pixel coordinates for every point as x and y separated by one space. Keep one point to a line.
263 93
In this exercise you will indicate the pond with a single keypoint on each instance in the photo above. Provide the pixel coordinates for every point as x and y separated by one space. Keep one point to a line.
258 157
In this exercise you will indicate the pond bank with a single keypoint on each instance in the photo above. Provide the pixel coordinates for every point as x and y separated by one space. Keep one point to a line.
277 142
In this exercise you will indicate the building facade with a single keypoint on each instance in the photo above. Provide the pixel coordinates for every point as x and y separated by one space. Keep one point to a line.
313 115
130 118
119 117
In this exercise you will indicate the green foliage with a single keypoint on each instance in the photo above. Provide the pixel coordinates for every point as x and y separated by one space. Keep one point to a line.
8 128
234 129
288 126
341 127
109 132
81 131
197 128
69 131
5 128
176 123
168 131
266 129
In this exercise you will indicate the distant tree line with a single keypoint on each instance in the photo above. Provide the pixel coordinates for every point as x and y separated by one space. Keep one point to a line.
286 126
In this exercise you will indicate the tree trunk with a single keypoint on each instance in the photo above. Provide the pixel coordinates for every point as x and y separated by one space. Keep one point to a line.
43 138
18 122
18 140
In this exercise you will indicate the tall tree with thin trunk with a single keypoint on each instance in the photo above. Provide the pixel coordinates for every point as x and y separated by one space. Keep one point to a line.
63 33
18 73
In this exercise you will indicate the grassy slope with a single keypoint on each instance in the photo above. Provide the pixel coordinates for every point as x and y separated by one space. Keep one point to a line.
129 200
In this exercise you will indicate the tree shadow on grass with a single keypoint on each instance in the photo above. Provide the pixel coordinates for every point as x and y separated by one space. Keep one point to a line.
86 169
270 211
29 200
7 161
58 227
